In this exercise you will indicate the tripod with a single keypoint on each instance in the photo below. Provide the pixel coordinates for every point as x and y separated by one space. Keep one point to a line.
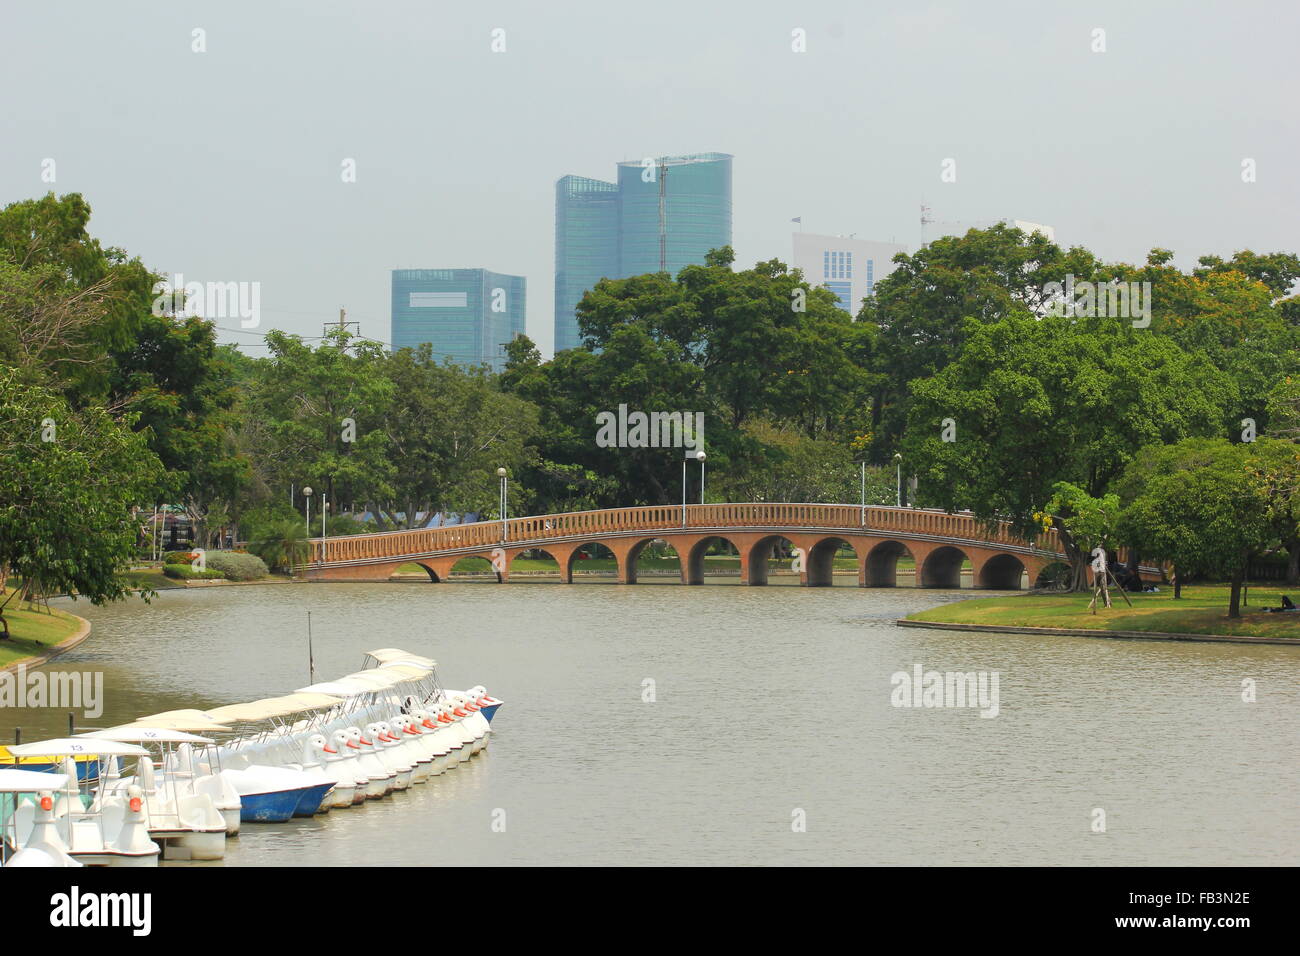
1099 589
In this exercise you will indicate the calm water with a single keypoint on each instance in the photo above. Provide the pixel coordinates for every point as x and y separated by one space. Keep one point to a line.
768 700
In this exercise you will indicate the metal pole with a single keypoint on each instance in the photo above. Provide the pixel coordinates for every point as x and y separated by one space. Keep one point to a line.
309 516
864 493
505 497
683 492
701 481
898 484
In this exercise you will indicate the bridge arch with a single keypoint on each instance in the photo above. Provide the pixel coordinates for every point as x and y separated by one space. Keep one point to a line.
559 558
1000 572
628 562
941 568
476 564
693 566
594 551
819 562
882 564
433 575
756 562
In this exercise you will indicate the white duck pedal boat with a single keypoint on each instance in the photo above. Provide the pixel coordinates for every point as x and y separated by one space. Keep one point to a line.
48 849
93 835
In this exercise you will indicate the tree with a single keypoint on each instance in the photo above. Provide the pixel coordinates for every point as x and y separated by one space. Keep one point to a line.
281 543
1091 522
110 293
68 480
1277 467
449 430
319 417
181 389
787 465
923 309
757 345
1032 402
1202 505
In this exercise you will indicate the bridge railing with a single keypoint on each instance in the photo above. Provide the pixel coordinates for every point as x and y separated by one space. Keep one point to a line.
542 528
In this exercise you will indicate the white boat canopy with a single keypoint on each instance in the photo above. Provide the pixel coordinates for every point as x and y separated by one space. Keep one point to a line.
271 707
405 670
389 655
343 687
76 746
139 735
192 721
376 678
31 781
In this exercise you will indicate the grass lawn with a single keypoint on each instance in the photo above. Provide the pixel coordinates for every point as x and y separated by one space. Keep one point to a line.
32 631
1203 609
150 577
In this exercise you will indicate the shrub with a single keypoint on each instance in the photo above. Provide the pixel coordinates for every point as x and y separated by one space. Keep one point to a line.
187 573
237 566
178 557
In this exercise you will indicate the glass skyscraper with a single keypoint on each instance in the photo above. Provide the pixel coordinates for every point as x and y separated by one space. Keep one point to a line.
467 315
586 246
661 215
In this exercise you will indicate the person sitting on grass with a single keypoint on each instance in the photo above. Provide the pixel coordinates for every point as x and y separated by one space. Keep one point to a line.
1287 605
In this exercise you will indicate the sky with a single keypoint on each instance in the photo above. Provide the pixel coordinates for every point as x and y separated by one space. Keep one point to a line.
227 165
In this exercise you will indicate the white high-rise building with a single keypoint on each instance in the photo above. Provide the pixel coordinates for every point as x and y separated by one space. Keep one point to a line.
847 266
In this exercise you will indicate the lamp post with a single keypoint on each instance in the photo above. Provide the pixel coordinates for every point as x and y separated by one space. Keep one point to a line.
684 457
864 493
306 493
898 478
700 456
501 473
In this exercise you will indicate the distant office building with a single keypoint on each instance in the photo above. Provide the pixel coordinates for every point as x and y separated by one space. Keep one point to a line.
467 315
660 215
586 247
848 267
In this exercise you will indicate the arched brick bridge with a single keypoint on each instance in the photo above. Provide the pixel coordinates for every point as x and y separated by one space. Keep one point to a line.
939 542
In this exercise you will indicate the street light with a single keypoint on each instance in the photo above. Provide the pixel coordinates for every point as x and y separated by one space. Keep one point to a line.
501 473
864 492
898 478
306 493
699 456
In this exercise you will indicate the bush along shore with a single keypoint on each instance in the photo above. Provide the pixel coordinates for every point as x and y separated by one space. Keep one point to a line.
214 566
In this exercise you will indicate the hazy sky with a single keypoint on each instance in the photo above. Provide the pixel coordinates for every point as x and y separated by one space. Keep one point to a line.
225 165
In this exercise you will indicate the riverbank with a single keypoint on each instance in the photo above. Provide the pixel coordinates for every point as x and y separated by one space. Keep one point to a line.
1201 614
38 635
154 579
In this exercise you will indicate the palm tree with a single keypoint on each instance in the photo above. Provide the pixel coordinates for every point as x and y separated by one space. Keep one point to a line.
281 544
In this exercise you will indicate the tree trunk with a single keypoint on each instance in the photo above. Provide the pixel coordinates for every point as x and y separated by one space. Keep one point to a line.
1234 602
1293 563
1178 584
1078 560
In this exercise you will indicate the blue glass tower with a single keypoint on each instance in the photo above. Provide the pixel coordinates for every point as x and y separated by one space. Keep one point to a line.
586 246
661 215
467 315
